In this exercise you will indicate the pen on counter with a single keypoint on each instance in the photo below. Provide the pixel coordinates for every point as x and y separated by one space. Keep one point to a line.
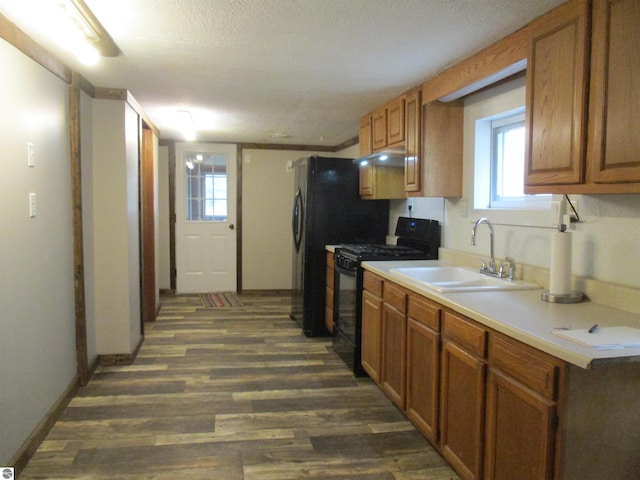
593 329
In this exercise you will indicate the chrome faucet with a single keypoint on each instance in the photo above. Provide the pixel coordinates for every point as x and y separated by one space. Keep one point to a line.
491 269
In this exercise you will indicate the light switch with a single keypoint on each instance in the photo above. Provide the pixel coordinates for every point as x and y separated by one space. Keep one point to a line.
31 155
32 205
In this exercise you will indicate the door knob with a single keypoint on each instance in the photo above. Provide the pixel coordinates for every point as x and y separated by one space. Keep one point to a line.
231 226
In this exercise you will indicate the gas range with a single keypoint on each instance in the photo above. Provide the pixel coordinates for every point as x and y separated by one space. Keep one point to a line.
355 253
369 251
418 239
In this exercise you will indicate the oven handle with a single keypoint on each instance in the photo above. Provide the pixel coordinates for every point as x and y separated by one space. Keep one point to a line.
344 271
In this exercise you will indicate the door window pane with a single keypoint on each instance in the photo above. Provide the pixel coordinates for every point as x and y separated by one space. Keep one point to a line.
206 187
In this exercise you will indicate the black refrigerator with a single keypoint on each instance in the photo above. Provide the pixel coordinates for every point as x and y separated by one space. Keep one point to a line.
327 210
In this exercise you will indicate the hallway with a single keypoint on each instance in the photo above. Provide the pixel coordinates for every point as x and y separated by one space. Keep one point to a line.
231 394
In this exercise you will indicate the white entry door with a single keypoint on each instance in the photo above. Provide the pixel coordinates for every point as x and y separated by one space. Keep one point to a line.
205 218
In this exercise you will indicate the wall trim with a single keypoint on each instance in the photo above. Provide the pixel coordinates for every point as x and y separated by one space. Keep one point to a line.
23 42
30 446
267 292
113 359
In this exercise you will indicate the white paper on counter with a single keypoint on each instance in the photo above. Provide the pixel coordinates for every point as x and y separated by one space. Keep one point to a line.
603 337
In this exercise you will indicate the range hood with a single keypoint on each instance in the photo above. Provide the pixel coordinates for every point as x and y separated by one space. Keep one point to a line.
384 158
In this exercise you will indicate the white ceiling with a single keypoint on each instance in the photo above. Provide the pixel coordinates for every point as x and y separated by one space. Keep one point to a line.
284 71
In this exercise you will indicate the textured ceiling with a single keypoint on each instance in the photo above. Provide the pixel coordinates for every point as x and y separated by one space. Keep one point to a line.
285 71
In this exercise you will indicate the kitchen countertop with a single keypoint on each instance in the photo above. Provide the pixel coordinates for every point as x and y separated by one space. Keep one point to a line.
522 315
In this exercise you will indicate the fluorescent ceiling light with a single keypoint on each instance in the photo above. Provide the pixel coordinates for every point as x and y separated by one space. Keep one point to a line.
71 24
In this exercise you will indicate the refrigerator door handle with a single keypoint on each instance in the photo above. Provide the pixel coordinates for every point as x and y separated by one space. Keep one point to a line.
298 219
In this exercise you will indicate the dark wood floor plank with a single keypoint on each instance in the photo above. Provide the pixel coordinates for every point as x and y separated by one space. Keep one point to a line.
233 394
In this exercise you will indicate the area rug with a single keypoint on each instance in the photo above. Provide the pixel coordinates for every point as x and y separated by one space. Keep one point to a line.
220 299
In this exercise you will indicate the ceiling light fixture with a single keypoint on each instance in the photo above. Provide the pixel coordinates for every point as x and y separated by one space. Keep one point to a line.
71 24
184 124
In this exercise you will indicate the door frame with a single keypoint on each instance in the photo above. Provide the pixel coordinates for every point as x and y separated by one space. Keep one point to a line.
171 144
149 305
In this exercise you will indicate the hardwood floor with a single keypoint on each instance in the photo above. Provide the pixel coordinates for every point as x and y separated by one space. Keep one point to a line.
233 393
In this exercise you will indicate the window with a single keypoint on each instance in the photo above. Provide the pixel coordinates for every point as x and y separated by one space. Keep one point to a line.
206 187
499 164
507 160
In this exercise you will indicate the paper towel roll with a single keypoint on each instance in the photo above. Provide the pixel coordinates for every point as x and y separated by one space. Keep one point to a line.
560 281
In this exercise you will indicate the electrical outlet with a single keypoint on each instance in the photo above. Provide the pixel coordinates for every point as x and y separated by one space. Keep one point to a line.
554 212
569 210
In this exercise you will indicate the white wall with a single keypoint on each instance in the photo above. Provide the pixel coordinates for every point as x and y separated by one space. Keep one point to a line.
37 307
605 243
267 200
116 227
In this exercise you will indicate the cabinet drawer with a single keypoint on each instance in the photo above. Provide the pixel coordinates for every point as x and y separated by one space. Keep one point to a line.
529 366
469 335
395 296
423 311
372 283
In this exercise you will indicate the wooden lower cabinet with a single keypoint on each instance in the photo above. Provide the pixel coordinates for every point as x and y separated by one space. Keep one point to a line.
328 306
520 431
423 365
394 347
394 343
371 329
487 402
521 423
462 410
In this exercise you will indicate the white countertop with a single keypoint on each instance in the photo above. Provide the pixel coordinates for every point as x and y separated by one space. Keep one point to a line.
524 316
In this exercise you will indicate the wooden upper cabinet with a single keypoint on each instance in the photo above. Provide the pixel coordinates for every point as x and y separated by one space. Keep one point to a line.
556 103
381 182
441 159
395 122
366 181
387 125
412 172
365 139
379 128
614 143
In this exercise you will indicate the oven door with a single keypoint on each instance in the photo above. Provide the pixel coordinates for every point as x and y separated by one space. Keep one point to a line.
347 300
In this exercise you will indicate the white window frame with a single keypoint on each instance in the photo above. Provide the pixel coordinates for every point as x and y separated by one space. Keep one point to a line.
481 109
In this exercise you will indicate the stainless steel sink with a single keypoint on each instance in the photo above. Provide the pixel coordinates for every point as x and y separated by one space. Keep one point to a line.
460 279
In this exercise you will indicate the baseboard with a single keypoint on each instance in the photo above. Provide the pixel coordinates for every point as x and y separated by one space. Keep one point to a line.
93 366
38 435
110 360
266 292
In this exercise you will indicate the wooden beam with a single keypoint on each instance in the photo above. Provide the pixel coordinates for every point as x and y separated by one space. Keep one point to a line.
82 357
24 43
497 57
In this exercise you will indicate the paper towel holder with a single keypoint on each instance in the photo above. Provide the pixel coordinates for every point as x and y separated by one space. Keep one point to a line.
573 297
